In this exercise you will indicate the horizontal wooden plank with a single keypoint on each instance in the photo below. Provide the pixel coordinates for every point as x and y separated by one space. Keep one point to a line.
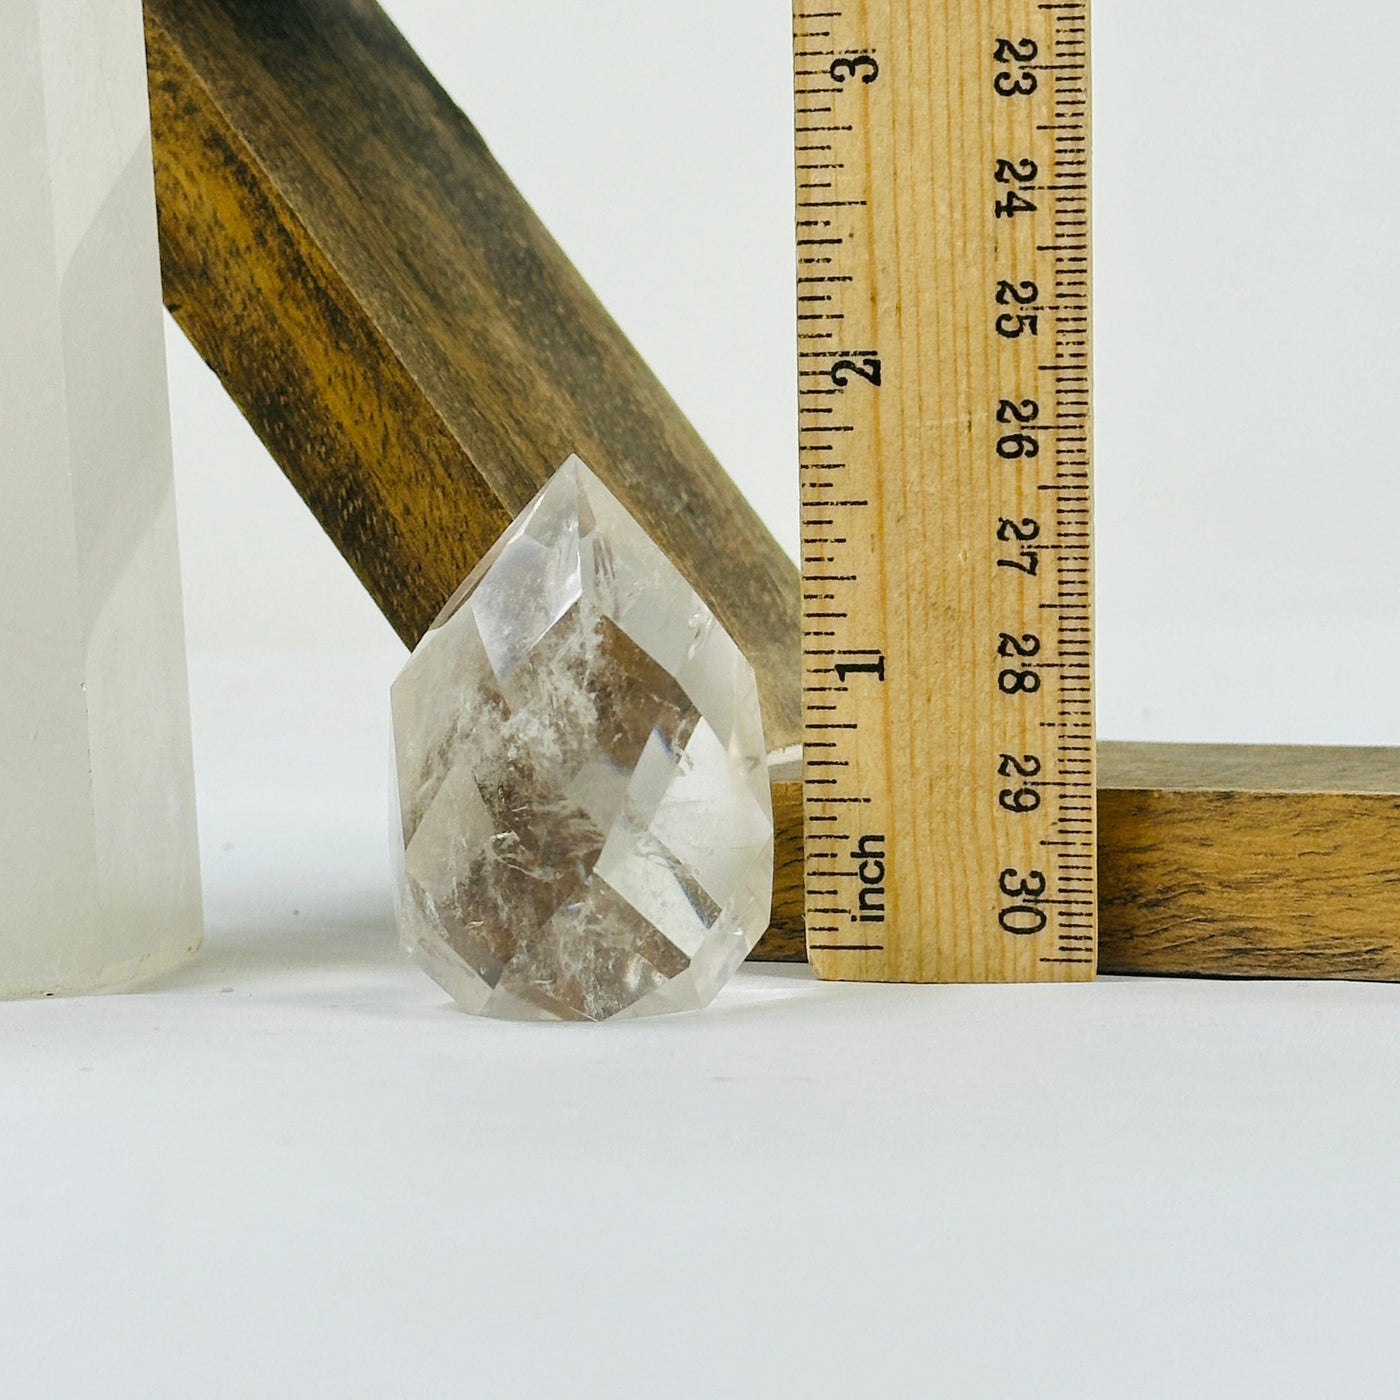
1222 860
400 329
1249 768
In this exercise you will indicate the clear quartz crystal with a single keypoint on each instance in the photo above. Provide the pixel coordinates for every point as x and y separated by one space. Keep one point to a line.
582 787
99 870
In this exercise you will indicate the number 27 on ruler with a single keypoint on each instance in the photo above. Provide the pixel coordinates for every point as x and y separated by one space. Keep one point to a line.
942 160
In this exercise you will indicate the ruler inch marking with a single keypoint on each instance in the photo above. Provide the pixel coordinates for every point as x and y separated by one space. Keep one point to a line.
942 187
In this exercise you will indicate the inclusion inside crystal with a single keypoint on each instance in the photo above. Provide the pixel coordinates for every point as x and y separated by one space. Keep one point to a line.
585 816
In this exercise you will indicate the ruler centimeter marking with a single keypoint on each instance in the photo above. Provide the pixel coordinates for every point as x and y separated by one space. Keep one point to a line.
943 295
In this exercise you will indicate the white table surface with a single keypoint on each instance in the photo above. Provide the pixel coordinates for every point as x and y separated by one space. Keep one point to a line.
293 1169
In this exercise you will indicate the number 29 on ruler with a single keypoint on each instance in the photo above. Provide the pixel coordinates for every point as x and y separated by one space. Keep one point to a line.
942 162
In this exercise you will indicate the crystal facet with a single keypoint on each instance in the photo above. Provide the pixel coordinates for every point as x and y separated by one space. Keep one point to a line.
582 788
99 866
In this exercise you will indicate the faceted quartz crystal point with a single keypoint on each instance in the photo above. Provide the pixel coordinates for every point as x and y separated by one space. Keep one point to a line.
582 787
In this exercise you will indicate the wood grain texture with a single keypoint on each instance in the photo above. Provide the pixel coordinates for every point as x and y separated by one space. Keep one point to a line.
1249 861
1231 861
786 939
402 332
1256 768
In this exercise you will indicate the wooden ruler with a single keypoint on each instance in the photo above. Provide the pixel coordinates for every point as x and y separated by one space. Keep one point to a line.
943 322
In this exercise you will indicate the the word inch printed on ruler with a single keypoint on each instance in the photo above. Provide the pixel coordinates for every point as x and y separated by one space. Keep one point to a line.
944 376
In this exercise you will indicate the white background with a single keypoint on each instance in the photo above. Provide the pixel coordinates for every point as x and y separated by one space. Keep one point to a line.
292 1170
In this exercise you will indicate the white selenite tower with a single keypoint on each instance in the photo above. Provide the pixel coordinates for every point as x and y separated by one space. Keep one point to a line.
99 868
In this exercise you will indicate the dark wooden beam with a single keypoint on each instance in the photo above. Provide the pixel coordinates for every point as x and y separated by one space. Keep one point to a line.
401 330
1234 860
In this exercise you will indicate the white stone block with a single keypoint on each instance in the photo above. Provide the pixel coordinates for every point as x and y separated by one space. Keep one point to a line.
99 869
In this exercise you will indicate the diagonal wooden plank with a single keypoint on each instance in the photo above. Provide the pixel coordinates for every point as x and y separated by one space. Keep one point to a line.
401 330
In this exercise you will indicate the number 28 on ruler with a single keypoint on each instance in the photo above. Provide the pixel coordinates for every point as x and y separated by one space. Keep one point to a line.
942 160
